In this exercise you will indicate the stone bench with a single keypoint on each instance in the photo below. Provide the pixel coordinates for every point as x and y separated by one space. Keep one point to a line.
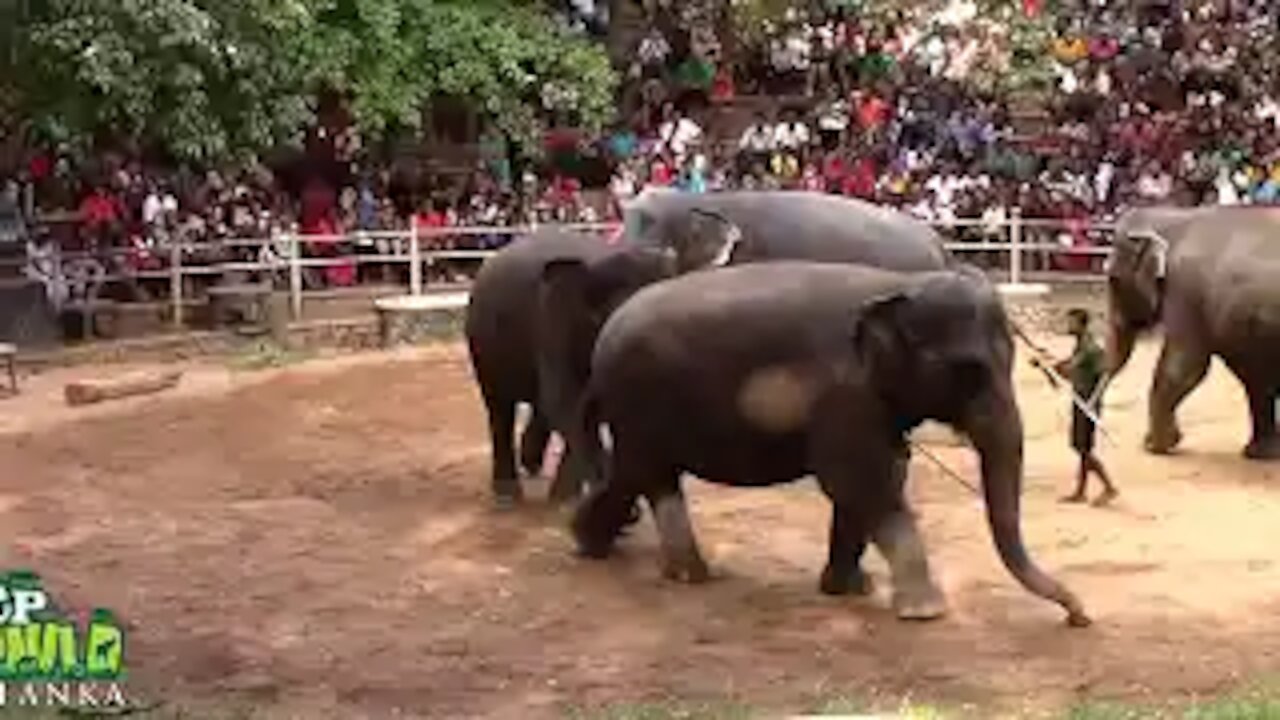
410 319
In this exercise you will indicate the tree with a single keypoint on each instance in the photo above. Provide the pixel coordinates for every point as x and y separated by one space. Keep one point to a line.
201 81
391 57
218 80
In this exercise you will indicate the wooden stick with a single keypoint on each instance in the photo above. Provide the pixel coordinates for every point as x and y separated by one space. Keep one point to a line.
87 392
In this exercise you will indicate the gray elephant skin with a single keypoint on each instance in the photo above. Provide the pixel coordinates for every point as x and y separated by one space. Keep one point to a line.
1209 277
766 373
508 339
786 225
537 305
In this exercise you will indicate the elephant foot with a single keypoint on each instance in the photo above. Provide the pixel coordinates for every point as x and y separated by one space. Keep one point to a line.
923 603
1263 449
835 583
681 559
1163 443
691 570
594 526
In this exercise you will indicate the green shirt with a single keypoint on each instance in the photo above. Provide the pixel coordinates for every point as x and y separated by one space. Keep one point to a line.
1086 364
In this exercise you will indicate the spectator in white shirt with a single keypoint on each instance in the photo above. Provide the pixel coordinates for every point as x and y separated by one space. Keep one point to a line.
792 133
756 143
677 133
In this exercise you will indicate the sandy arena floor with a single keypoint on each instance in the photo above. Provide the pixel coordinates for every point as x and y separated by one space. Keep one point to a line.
318 541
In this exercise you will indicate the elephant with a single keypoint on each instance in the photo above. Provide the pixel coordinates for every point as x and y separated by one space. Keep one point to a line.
766 373
551 292
784 224
509 338
1208 275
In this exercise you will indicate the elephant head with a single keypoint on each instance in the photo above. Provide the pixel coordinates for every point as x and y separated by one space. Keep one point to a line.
1136 274
942 349
575 297
701 239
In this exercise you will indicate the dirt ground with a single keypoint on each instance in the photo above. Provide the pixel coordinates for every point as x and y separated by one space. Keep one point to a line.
317 541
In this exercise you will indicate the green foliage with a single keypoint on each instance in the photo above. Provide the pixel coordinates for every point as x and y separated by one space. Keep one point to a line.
201 80
213 80
392 56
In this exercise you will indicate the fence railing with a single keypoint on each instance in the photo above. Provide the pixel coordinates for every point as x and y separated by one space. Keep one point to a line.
1024 247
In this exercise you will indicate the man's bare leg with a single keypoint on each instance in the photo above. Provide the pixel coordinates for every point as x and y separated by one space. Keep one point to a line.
1109 491
1082 478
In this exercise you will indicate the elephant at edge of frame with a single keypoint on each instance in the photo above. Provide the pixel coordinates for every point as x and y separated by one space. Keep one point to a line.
765 373
1210 277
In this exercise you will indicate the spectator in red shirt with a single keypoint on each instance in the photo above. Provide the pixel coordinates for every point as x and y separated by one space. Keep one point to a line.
101 215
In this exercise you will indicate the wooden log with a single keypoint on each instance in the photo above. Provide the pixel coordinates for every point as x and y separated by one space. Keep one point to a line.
87 392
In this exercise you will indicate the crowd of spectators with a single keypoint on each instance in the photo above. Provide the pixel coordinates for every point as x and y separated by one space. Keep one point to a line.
1149 102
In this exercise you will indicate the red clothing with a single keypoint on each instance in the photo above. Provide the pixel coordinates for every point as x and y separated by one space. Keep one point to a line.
1031 8
100 209
833 170
40 167
1077 224
660 174
1103 48
873 112
862 181
722 87
430 219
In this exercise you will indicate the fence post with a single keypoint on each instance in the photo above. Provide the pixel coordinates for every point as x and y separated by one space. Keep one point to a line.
295 275
175 281
1015 246
415 260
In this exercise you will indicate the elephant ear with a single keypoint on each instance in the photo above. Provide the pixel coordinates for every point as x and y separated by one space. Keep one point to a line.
708 240
880 336
565 289
1150 243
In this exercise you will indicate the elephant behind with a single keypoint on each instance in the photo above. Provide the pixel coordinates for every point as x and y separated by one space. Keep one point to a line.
1209 276
769 372
784 225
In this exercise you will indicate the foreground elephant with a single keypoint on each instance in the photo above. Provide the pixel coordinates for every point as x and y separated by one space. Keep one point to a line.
537 305
1209 276
766 373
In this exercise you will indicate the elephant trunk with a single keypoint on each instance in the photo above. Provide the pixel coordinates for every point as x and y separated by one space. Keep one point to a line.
1120 339
996 431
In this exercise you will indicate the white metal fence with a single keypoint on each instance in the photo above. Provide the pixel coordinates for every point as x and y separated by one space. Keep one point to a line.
1017 248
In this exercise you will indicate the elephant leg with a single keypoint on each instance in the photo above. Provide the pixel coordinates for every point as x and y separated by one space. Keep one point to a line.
866 480
502 421
1265 443
681 558
1178 372
533 442
915 595
848 542
606 510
